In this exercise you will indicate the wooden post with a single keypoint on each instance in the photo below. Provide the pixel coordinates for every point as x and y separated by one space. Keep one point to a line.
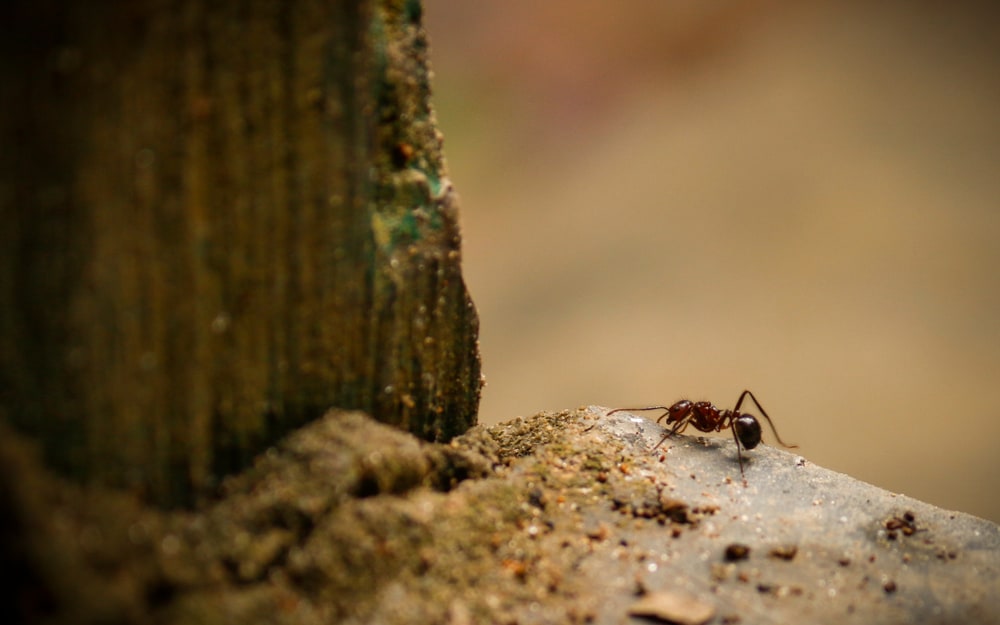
219 220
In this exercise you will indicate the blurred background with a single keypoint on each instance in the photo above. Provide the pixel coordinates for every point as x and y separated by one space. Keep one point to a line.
666 200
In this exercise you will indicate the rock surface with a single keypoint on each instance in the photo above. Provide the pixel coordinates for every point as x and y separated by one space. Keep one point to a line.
565 517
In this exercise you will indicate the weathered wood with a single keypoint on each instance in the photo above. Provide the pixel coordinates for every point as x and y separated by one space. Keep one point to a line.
220 219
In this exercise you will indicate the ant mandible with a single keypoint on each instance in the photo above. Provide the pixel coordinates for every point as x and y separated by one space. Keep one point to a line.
707 418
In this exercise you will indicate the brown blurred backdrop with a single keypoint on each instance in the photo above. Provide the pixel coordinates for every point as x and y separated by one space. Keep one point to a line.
685 199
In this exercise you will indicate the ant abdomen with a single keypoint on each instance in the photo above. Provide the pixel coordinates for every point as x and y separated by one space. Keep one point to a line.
747 430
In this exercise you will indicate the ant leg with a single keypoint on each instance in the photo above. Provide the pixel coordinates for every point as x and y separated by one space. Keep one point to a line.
678 428
739 453
662 440
764 414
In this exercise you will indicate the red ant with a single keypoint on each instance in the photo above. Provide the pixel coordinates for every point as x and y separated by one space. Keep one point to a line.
707 418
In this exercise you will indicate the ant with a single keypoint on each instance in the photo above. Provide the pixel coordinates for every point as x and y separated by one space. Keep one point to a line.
707 418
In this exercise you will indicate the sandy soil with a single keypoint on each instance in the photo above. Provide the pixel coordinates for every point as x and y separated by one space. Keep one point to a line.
565 517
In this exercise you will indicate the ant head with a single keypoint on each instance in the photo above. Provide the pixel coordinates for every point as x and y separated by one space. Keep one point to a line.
747 430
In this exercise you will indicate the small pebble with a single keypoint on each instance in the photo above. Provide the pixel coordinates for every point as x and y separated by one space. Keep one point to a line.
673 607
736 552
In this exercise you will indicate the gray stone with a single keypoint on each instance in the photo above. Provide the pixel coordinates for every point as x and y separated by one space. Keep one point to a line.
823 546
